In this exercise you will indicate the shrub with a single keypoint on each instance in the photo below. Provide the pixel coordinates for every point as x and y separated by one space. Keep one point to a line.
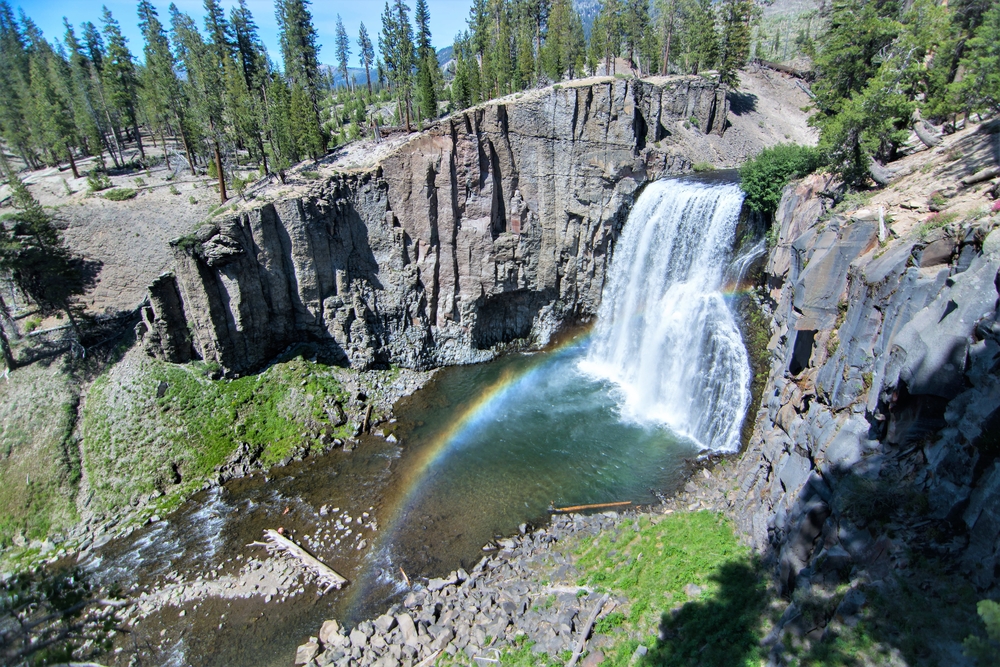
311 175
32 323
97 181
986 651
703 166
192 200
139 181
120 194
694 121
764 177
174 190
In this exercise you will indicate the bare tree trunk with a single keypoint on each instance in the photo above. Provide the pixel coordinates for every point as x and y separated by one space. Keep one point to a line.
8 354
72 162
138 139
218 168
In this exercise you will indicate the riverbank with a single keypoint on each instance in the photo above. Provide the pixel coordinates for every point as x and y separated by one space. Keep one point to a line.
135 442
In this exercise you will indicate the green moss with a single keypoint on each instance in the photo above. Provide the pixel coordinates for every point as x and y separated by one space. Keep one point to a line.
139 443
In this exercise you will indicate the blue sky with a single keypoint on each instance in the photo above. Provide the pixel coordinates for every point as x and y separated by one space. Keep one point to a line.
447 19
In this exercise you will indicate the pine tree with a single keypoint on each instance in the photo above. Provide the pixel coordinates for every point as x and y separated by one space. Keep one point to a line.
702 42
563 52
396 44
299 50
14 86
33 254
635 25
667 21
85 114
252 61
119 77
161 89
366 53
979 90
738 17
343 50
95 50
426 62
305 132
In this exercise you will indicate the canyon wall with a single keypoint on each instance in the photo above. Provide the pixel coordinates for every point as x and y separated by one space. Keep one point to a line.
494 226
877 433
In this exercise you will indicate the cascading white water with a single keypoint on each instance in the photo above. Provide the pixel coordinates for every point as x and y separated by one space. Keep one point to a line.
664 333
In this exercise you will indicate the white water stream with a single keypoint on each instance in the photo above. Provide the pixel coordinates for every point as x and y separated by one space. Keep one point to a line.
665 335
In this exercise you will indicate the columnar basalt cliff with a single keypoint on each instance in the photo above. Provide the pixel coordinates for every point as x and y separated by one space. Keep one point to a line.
493 226
877 432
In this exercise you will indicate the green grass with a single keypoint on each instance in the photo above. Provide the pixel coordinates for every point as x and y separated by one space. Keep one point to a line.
935 221
140 445
651 567
39 458
120 194
310 175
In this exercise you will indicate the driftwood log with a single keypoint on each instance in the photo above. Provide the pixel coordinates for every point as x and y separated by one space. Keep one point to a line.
278 543
577 508
578 651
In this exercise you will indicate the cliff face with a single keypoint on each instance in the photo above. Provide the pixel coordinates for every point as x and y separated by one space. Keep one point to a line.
494 226
877 432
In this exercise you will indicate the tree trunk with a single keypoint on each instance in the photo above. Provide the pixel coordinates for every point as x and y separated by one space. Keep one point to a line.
368 78
166 157
187 149
72 162
218 168
8 354
666 51
138 140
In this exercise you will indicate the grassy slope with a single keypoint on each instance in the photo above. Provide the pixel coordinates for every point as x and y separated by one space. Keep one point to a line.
139 444
39 462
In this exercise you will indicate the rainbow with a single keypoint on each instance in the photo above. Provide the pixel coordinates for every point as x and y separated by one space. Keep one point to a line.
464 424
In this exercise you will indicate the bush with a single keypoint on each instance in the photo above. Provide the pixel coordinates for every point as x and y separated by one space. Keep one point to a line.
120 194
703 166
32 323
764 177
311 175
97 181
986 651
192 200
173 189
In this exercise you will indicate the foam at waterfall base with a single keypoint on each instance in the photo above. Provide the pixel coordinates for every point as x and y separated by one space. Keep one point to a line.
665 335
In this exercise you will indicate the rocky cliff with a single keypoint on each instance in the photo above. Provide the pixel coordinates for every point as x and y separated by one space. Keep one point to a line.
876 437
494 226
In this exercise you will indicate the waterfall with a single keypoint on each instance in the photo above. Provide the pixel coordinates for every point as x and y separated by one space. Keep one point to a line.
664 334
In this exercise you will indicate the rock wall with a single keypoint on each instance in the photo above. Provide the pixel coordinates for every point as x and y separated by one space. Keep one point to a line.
877 431
494 226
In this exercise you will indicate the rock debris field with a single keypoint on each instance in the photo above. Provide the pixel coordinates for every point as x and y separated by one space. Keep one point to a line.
525 591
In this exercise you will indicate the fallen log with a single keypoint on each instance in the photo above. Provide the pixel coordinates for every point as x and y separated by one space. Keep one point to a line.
927 137
586 630
281 544
879 174
981 175
577 508
805 75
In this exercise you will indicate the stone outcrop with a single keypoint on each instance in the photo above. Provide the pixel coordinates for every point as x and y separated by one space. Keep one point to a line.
493 227
883 398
